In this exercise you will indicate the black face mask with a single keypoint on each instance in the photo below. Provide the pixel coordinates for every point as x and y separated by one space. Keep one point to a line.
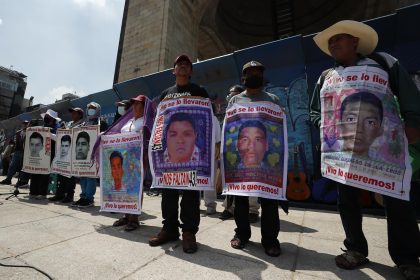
253 82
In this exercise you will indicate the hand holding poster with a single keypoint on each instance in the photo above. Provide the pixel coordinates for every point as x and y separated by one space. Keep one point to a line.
37 153
181 150
84 139
254 150
121 173
63 151
362 134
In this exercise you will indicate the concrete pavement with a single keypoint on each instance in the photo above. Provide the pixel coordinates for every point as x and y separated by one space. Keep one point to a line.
69 243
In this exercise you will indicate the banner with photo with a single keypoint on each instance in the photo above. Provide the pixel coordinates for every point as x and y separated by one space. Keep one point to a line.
37 152
181 150
363 142
84 139
63 150
121 173
254 150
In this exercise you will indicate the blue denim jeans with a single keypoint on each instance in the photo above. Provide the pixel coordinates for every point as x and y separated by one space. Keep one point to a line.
15 164
88 186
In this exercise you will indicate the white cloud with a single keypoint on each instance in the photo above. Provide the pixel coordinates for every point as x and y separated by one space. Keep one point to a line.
57 93
1 21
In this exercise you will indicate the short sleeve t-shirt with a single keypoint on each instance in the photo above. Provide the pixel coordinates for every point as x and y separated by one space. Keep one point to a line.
183 91
261 96
133 125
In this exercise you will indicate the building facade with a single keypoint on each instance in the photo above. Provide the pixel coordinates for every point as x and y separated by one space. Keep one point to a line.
153 33
12 92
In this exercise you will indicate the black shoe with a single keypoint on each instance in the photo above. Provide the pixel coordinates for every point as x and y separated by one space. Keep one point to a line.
77 203
67 200
6 182
55 198
225 215
253 218
85 203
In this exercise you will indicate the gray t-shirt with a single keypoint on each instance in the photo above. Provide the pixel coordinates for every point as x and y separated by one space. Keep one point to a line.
261 96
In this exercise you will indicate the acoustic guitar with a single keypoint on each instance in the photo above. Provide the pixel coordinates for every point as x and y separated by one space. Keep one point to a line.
297 188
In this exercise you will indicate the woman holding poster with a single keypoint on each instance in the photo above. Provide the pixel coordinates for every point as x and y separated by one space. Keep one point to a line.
133 121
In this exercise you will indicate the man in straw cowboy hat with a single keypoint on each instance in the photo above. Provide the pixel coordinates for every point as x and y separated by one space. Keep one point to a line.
351 45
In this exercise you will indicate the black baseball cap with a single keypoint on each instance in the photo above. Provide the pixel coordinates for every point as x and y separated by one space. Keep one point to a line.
252 64
183 57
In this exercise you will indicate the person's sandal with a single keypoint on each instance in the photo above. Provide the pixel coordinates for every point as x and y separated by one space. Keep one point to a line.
350 260
120 222
237 243
410 271
131 226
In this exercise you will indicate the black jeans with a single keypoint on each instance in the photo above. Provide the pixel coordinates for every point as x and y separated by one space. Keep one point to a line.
39 184
66 186
190 211
270 222
403 231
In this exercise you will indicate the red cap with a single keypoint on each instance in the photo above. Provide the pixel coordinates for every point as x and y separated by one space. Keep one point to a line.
183 57
140 98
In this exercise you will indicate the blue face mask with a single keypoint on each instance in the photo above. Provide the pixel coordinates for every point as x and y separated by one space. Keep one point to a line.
121 110
91 112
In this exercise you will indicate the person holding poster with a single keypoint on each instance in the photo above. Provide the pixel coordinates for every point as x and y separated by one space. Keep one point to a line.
17 158
182 129
356 99
66 185
39 182
82 143
134 120
252 146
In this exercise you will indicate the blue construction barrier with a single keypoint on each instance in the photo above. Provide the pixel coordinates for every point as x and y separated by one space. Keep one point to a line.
293 66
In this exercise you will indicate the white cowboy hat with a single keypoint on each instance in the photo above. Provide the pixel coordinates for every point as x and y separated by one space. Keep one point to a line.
53 114
368 38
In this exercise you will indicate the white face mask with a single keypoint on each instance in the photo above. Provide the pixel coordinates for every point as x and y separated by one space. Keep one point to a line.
121 110
91 112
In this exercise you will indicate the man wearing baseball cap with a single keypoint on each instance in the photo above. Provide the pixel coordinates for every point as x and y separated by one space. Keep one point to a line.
190 202
253 80
351 44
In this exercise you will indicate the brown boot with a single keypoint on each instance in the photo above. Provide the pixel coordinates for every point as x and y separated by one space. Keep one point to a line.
189 244
162 238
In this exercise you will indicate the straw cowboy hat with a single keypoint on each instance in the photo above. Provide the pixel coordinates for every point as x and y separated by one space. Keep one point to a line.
368 38
53 114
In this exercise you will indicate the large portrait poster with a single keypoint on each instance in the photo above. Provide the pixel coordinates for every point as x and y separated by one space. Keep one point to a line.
37 153
254 150
63 150
121 173
84 139
181 150
362 135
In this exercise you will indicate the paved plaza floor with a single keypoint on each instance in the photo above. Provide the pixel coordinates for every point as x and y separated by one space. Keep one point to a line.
72 243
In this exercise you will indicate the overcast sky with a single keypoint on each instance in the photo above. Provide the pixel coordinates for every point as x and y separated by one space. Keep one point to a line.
61 45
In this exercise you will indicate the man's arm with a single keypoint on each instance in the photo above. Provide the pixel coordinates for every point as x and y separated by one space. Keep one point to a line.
315 106
408 98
